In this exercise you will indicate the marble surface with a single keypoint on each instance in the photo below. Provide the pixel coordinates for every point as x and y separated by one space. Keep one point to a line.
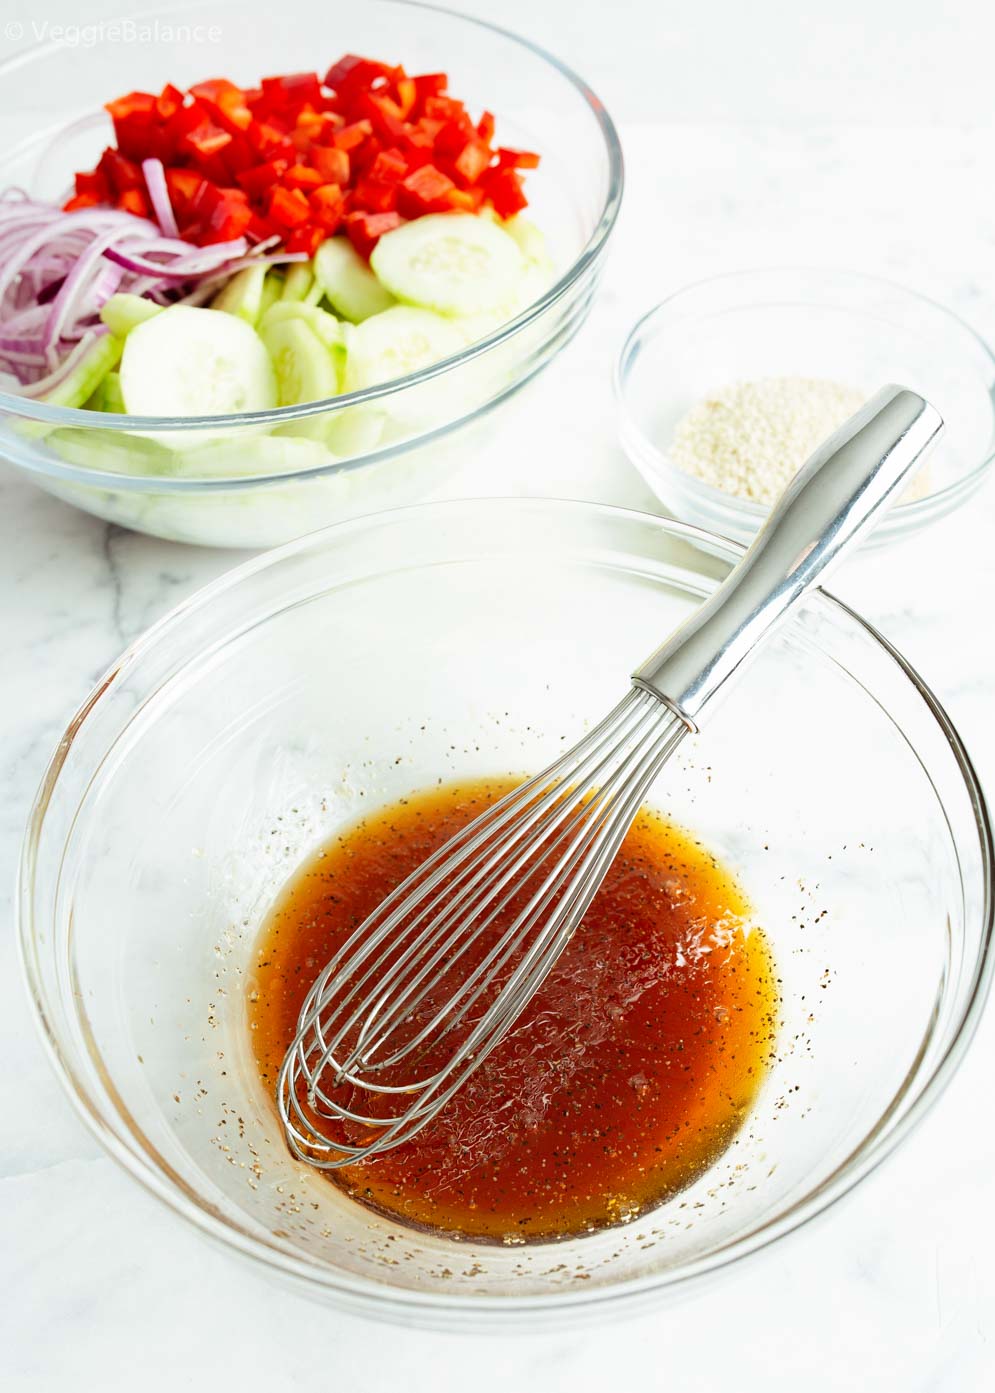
892 1291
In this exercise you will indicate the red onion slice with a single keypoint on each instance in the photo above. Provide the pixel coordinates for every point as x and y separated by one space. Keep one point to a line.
155 182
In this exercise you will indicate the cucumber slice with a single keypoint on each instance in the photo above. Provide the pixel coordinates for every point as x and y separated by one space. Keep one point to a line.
300 283
348 283
196 362
356 431
260 454
322 324
534 281
397 342
123 312
305 368
272 290
85 378
117 452
454 263
108 396
529 240
243 295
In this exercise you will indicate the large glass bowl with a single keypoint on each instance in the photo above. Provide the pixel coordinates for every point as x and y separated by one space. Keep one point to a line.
464 640
266 477
850 328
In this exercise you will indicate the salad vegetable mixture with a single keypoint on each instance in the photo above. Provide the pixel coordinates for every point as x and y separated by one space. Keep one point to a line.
243 249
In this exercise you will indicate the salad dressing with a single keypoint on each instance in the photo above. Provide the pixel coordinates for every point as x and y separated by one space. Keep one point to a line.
625 1078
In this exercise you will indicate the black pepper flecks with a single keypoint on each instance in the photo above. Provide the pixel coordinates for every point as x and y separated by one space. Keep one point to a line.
626 1077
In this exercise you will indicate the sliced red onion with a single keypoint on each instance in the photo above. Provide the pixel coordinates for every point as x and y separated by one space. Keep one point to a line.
58 269
155 182
52 379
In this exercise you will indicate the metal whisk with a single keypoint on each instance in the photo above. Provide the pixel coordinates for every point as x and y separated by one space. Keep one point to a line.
427 987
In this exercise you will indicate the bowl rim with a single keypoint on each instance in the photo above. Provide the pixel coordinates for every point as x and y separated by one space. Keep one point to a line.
367 1295
745 511
11 403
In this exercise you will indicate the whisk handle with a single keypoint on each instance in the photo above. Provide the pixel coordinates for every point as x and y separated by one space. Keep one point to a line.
829 506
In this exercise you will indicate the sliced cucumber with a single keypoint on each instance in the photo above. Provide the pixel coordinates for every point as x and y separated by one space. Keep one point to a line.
534 281
306 369
355 431
455 263
123 312
243 294
272 290
196 362
115 451
529 240
322 324
100 358
348 283
108 395
397 342
261 454
300 283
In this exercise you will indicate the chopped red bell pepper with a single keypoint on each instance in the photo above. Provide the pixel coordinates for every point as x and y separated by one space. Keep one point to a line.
302 158
428 85
306 240
332 164
134 103
365 229
426 190
406 94
504 189
352 73
288 207
168 102
516 159
120 172
472 160
300 176
134 201
453 137
383 115
350 137
389 165
267 140
226 101
328 206
93 185
292 90
183 185
217 214
375 195
206 139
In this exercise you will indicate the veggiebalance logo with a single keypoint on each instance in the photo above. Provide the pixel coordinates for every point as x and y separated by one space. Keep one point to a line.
111 31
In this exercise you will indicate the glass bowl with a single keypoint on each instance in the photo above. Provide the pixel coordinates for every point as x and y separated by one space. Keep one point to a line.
840 325
374 658
264 477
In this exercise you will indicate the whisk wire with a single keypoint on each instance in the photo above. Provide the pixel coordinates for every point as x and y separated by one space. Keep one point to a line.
438 888
539 853
571 808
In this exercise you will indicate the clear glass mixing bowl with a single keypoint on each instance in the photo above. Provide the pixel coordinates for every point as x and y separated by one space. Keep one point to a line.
460 640
270 476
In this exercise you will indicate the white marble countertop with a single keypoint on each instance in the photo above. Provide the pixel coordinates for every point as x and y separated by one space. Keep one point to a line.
895 1289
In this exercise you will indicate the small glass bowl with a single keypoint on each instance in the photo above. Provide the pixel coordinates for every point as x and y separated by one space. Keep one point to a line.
841 325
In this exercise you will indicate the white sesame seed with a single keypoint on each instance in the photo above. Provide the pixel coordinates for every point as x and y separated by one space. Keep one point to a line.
751 438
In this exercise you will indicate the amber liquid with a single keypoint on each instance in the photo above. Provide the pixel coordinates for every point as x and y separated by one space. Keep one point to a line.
625 1078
